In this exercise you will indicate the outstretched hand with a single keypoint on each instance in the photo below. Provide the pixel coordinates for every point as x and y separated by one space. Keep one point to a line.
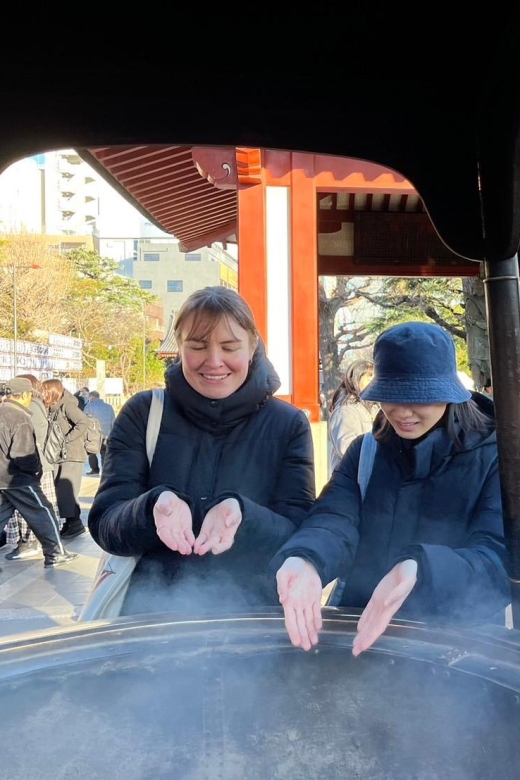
300 590
173 522
217 532
387 598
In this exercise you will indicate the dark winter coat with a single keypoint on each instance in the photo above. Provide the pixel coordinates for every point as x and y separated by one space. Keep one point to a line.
20 464
426 502
74 424
249 445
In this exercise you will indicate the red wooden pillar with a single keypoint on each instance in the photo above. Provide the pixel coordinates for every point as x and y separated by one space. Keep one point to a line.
304 288
277 264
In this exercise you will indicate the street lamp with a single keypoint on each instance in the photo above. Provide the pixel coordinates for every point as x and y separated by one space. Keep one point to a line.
144 348
14 268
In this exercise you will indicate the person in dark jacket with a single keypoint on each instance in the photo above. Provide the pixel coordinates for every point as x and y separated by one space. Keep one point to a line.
428 538
18 533
21 470
231 478
104 412
82 396
69 471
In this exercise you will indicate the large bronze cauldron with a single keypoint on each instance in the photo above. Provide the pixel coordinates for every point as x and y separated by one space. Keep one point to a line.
156 698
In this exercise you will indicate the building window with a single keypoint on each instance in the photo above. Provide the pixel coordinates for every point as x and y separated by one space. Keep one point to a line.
175 285
145 284
192 257
151 257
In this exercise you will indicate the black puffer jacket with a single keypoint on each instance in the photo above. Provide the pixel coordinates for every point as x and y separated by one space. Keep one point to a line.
249 445
20 464
428 501
74 424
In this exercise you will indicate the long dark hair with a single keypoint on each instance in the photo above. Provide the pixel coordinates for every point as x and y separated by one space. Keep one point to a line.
349 389
458 419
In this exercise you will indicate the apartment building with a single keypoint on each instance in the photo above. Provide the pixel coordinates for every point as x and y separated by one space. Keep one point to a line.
60 195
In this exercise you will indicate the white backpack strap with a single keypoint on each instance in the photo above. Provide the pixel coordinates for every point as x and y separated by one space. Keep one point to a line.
114 572
367 454
154 422
366 462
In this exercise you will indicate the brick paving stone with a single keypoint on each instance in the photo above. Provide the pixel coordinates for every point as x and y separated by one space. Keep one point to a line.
33 598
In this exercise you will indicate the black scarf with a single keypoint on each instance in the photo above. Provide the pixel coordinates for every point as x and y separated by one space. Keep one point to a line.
219 415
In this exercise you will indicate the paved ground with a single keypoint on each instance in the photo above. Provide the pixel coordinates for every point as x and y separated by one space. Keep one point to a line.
32 598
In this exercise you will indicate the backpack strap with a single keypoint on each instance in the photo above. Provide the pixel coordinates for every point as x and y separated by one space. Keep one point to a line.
366 462
154 422
367 454
114 571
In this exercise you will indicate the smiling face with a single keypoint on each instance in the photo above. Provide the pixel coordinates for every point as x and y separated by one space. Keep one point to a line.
215 361
413 420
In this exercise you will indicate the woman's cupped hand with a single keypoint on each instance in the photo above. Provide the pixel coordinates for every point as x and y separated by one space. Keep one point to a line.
174 525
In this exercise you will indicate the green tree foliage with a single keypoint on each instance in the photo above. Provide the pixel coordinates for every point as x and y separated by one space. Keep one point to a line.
108 312
78 294
454 304
438 300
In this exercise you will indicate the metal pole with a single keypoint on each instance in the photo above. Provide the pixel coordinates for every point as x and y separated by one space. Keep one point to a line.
501 283
15 325
144 350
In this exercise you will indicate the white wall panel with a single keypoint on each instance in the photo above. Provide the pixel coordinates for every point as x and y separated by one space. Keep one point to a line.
279 333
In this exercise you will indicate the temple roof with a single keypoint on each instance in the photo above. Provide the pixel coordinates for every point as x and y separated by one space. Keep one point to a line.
168 346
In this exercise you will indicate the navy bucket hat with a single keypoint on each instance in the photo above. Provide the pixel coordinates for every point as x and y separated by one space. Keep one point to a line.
415 363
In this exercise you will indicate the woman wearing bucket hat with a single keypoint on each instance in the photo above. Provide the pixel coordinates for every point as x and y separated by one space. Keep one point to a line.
427 536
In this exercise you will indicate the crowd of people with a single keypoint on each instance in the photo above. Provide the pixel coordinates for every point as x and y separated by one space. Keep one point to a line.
223 514
28 473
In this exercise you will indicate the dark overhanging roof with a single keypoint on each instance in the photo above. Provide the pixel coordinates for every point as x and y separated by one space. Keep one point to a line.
431 98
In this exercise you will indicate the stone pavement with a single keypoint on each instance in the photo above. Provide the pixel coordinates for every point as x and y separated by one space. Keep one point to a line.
33 598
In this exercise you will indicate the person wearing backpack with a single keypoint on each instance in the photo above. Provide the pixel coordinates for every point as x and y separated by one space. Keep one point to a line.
427 539
231 477
68 472
104 412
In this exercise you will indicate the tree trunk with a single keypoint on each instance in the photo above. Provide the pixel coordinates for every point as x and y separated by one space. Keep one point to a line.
329 355
477 332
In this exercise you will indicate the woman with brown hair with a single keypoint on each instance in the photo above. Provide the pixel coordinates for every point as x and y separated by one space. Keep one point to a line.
231 478
350 416
425 539
68 471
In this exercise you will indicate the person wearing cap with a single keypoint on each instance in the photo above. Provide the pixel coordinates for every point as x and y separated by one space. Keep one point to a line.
21 471
25 544
427 539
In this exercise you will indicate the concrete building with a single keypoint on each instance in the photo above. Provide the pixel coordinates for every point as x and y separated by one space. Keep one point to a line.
60 195
162 269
